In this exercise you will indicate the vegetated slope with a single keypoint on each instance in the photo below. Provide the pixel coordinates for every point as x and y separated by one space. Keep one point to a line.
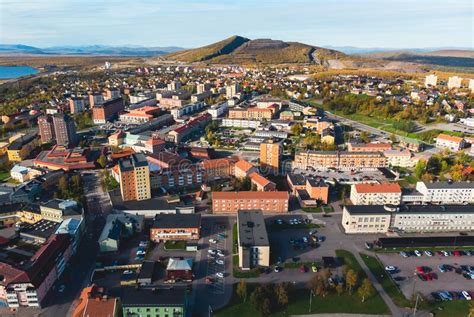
210 51
241 50
450 58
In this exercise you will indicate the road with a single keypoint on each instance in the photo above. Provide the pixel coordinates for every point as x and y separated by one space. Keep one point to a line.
78 274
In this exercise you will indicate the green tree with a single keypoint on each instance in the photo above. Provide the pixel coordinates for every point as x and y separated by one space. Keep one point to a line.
102 160
242 290
364 137
281 292
296 129
420 168
365 290
339 289
319 285
351 280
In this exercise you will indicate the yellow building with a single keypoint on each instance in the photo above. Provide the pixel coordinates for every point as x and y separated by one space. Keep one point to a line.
21 147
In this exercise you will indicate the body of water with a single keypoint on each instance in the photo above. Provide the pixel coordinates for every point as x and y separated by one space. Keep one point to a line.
7 72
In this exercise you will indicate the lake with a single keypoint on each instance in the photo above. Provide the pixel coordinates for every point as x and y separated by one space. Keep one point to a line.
7 72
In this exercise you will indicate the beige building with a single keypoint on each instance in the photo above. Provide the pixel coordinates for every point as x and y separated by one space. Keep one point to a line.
339 159
270 154
376 194
254 246
362 219
400 158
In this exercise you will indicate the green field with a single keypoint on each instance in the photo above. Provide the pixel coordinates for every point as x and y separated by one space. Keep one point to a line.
299 305
385 280
175 245
4 176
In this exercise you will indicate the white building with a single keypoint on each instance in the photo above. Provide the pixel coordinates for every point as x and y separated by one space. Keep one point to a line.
467 121
431 80
446 192
232 90
407 218
376 194
453 143
241 123
454 82
401 158
471 85
218 109
187 109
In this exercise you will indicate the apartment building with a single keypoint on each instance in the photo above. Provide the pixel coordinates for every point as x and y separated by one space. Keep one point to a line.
77 104
339 159
139 115
232 90
251 113
368 147
59 128
243 169
376 194
252 238
134 177
218 109
27 279
270 155
95 99
261 183
231 202
107 111
241 123
450 142
137 142
187 109
401 158
407 218
446 192
218 168
454 82
431 80
175 227
21 147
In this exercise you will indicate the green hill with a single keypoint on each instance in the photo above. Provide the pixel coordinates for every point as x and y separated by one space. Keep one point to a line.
240 50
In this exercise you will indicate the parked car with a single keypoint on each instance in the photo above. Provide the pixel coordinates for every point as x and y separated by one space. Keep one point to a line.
212 240
429 253
220 262
417 253
303 269
404 254
466 295
220 274
314 268
278 269
390 268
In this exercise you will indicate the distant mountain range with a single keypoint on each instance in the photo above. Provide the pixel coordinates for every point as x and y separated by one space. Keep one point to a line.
241 50
88 50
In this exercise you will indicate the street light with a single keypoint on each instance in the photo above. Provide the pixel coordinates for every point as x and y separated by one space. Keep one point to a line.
311 294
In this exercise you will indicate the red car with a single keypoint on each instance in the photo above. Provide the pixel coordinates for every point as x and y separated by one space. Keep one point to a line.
420 269
456 253
303 269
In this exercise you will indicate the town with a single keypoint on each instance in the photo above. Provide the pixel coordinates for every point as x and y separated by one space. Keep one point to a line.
187 190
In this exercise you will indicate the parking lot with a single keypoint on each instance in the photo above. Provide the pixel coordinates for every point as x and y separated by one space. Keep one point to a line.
447 281
344 177
216 264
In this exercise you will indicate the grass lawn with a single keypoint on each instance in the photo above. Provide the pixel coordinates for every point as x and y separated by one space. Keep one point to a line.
351 262
299 305
175 245
312 209
235 239
386 281
457 308
4 175
328 209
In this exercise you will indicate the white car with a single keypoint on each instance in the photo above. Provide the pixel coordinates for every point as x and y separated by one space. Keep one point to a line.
220 253
212 240
220 274
429 253
466 295
404 254
219 261
390 268
61 288
417 253
139 252
211 252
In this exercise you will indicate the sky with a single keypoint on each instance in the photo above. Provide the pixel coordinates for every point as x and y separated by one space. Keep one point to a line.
193 23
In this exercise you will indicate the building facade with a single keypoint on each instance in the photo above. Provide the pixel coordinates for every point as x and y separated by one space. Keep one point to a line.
134 177
252 238
376 194
275 202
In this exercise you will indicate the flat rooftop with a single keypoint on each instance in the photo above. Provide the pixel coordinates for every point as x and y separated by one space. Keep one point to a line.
177 221
252 230
41 229
136 297
410 209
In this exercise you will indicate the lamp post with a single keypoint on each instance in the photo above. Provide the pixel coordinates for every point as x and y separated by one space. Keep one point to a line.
311 294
